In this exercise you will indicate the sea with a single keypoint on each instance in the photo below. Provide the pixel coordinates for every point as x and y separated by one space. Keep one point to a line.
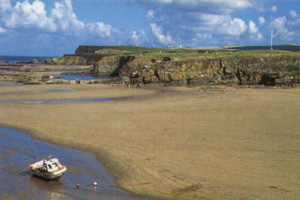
13 59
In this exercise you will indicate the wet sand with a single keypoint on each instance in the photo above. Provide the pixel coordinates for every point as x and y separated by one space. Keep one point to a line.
175 143
18 150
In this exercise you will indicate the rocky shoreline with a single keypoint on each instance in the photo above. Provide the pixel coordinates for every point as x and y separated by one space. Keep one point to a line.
279 70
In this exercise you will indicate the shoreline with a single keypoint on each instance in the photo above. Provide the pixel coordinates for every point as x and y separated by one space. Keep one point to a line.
156 143
101 156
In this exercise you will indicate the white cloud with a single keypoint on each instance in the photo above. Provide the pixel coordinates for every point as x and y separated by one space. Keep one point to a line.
287 27
293 14
31 23
150 14
156 1
274 9
262 20
279 24
138 37
2 30
5 5
284 28
61 18
234 27
134 36
29 16
34 15
158 33
259 37
101 29
204 6
252 27
191 21
64 16
222 24
293 24
188 22
254 32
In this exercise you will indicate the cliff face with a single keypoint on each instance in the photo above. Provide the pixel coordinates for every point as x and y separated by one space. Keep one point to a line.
152 67
108 65
88 49
69 60
88 59
229 71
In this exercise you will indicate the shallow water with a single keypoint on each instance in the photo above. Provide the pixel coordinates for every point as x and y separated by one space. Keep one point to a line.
81 77
57 101
18 150
40 91
11 84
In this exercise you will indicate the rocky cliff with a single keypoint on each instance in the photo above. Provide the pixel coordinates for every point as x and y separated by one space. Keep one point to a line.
180 67
89 49
229 71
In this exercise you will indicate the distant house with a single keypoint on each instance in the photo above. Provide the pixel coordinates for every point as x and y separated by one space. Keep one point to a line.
202 51
155 61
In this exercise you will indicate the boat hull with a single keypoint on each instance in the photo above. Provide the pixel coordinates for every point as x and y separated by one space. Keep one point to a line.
48 169
46 175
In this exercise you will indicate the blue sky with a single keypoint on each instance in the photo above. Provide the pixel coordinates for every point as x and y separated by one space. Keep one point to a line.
57 27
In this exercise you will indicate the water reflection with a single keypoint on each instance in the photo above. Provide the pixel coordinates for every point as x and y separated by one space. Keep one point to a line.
40 91
81 77
58 101
11 84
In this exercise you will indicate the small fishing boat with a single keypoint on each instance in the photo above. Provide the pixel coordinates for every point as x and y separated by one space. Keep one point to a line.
50 169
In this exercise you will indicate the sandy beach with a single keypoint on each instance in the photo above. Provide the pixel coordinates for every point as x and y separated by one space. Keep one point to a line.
174 143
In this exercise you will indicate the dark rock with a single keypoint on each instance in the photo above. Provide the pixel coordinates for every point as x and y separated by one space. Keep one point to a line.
122 69
167 59
269 79
267 71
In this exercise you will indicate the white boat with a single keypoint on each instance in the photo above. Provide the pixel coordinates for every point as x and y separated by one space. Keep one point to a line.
50 169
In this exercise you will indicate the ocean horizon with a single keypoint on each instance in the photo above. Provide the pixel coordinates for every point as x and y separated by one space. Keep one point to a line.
14 59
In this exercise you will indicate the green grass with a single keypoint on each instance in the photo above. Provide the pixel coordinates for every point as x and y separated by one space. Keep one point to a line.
284 47
183 54
137 50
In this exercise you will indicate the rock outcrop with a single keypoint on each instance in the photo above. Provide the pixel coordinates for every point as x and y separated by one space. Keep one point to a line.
90 49
268 71
88 59
148 68
70 60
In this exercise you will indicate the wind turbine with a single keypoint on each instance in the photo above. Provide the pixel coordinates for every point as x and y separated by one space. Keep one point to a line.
272 36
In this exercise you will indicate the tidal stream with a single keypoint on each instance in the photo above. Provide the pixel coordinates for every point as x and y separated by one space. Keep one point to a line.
18 150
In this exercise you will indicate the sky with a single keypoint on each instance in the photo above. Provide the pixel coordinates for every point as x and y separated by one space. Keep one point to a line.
57 27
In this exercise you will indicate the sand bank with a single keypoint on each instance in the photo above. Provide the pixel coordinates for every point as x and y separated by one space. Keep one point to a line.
175 143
